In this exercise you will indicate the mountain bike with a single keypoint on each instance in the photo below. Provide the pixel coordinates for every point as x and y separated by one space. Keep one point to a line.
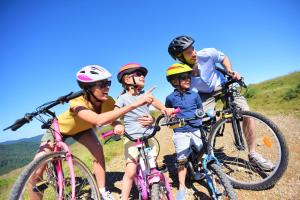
149 179
58 174
230 145
218 184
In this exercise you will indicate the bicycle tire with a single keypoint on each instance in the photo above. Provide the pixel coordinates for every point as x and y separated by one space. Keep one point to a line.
45 186
270 143
224 182
157 192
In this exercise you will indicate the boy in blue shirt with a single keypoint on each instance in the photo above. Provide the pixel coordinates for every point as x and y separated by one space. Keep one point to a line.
179 75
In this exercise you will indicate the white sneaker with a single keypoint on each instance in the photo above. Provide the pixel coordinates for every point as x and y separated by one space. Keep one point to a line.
106 196
257 160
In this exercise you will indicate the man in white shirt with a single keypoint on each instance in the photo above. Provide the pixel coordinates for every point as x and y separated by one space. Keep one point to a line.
207 80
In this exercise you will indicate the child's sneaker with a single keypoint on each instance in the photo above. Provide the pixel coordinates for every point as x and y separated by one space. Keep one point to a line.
180 194
106 196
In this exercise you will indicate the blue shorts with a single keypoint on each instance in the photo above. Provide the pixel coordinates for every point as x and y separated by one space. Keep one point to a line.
183 142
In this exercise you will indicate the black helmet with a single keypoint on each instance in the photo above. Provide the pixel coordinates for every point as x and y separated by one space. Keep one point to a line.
179 44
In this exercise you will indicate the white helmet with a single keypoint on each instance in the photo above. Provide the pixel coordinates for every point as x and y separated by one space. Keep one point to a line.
91 74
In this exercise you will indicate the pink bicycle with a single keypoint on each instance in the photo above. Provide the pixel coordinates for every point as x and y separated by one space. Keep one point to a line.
57 174
151 182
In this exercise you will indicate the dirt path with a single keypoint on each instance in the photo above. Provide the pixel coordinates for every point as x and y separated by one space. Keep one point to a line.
286 188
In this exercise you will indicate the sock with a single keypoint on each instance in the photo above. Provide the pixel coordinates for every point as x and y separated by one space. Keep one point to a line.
102 190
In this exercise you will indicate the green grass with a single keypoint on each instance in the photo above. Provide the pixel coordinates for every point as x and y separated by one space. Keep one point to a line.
275 96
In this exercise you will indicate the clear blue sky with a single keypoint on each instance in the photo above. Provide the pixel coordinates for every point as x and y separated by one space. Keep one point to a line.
44 43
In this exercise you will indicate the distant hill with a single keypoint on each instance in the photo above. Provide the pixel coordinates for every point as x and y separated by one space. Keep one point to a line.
32 139
278 95
16 155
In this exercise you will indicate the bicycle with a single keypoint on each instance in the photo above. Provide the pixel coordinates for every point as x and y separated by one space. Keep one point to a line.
58 174
230 146
150 181
219 186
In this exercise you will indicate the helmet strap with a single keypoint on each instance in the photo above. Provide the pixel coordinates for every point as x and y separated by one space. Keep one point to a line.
91 94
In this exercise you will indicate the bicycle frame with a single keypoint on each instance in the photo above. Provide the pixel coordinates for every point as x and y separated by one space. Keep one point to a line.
146 174
59 144
206 152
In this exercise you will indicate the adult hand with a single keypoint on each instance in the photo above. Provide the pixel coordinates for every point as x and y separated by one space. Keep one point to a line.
234 75
119 129
146 120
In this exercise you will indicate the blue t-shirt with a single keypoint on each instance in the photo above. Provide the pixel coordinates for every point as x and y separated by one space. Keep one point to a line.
188 102
209 77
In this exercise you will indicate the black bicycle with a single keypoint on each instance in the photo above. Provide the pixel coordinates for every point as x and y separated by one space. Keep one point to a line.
218 184
228 130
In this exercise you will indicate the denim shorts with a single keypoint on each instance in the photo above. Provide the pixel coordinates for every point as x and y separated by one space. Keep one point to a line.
183 142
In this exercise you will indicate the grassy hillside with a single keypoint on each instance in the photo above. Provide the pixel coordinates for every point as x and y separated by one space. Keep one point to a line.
278 95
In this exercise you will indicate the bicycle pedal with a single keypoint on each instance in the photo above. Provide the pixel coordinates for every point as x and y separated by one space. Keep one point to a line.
40 187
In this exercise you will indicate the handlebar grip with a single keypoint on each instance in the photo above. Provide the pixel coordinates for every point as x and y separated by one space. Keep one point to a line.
242 83
18 124
107 134
177 110
75 95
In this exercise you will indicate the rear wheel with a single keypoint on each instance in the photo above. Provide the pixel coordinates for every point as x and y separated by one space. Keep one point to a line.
269 143
39 180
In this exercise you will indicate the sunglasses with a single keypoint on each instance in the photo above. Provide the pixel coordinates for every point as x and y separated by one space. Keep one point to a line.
103 84
137 74
185 76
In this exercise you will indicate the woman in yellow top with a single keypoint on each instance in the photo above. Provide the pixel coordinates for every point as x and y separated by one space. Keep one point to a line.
86 112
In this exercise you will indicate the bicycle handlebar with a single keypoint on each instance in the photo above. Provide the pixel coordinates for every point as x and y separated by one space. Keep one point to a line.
156 128
43 109
230 79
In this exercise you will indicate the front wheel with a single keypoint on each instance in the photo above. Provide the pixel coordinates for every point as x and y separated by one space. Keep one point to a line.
222 188
39 179
159 192
268 140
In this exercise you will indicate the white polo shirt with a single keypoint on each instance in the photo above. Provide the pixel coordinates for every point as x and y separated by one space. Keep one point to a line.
209 77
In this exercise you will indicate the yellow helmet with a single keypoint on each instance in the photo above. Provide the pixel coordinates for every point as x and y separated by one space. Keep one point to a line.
176 69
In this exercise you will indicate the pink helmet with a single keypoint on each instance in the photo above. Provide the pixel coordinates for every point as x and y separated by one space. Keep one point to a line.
91 74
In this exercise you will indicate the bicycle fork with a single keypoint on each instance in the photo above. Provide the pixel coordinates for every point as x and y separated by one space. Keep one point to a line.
238 134
206 159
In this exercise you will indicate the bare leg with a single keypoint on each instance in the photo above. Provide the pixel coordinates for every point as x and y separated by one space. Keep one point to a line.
128 178
249 130
44 148
181 176
91 142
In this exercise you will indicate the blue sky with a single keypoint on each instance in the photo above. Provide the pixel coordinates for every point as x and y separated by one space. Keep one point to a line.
44 43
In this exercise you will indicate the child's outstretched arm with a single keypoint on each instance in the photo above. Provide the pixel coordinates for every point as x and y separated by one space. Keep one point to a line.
158 105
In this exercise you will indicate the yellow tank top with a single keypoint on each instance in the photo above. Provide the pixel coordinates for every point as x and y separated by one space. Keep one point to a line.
71 124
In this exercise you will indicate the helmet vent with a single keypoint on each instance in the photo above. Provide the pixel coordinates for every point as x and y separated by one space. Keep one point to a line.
93 72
